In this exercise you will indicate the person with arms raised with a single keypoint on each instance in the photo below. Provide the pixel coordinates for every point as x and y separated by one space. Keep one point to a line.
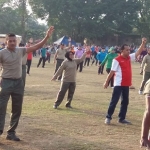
12 83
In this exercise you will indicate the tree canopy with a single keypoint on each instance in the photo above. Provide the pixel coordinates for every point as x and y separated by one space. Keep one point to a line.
92 19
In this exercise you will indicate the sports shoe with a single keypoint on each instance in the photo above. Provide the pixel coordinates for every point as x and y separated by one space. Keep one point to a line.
12 136
140 92
107 121
55 107
124 121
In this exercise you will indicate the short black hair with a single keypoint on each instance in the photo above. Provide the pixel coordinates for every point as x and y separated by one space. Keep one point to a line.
10 35
123 46
21 44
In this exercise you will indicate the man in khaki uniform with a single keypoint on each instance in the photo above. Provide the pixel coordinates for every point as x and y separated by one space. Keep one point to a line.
146 118
145 68
60 55
12 83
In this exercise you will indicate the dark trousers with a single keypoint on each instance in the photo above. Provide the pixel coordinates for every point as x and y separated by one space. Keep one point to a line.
87 60
70 86
42 59
24 74
34 53
95 59
28 65
58 64
100 69
80 65
118 91
146 77
48 58
15 89
111 82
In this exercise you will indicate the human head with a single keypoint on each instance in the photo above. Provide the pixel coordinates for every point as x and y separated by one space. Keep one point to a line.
79 47
69 55
111 50
21 45
103 49
11 41
148 50
61 45
125 50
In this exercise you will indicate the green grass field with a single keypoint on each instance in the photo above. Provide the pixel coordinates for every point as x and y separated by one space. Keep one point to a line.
82 128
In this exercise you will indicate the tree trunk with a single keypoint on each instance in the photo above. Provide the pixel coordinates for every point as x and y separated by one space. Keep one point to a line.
23 16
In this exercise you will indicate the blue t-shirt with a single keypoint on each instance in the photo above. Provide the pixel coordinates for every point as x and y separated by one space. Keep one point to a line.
43 52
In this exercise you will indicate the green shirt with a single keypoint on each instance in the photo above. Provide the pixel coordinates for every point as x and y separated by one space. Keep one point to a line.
109 58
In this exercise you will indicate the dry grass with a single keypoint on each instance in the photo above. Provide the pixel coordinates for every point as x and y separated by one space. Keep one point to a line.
81 128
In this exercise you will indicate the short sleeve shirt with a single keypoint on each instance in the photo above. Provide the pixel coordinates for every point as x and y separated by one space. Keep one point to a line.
12 62
61 53
122 68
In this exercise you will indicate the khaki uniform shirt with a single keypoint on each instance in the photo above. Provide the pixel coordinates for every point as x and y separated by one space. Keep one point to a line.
70 69
12 62
146 63
61 53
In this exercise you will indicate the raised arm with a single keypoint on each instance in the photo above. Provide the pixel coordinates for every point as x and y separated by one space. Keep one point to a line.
69 46
142 46
40 44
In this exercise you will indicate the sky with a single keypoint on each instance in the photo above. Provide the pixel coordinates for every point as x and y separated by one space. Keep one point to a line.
39 20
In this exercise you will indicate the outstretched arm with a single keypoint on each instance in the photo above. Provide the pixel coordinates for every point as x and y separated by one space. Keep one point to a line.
40 44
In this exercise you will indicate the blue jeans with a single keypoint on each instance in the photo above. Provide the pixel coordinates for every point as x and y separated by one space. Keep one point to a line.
118 91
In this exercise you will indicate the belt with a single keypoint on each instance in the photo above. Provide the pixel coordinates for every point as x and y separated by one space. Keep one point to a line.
12 78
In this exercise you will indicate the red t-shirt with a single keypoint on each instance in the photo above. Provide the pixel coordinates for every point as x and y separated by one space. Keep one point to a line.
29 57
123 72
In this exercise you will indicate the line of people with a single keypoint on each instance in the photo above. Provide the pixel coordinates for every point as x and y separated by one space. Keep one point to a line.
67 61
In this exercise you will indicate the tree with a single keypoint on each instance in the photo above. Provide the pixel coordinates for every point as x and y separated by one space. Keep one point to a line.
90 18
11 22
143 23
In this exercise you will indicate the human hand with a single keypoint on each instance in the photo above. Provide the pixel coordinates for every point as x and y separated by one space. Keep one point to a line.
53 79
145 143
144 40
105 85
50 31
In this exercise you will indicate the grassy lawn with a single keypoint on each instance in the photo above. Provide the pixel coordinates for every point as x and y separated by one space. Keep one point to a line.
82 128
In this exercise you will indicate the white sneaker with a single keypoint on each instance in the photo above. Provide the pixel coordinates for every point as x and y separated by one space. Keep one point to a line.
107 121
140 92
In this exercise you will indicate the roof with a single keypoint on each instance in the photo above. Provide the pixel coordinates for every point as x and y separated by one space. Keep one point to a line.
4 35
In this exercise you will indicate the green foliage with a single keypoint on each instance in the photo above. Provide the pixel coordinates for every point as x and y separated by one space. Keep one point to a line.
89 18
143 24
11 21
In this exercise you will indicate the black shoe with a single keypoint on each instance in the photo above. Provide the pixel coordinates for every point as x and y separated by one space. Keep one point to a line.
124 121
68 106
12 137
